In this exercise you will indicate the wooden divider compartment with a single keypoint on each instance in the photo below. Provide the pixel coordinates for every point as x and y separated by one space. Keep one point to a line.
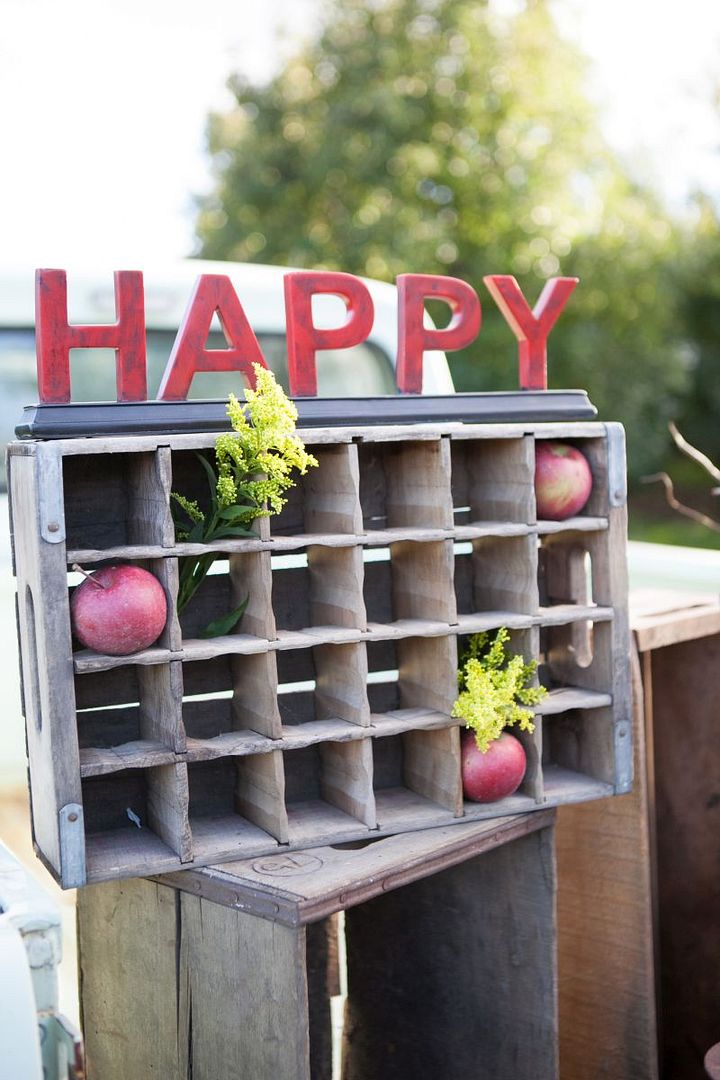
136 818
236 804
595 450
325 501
495 582
129 716
322 689
328 792
117 500
324 714
493 484
410 583
320 587
405 485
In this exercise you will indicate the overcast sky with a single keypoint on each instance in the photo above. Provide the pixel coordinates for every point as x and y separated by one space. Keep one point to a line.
104 107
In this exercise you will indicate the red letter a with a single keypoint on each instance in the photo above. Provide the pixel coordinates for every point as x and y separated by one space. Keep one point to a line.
213 293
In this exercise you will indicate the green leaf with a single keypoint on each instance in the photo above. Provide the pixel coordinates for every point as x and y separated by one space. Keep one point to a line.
211 478
225 624
234 512
235 530
196 533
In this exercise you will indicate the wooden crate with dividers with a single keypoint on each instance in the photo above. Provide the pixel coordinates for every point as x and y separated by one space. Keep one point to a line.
325 716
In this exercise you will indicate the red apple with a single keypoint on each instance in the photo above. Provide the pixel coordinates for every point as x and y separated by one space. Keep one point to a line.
495 773
563 480
118 610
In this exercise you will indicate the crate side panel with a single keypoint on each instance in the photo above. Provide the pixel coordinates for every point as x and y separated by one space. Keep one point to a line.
46 659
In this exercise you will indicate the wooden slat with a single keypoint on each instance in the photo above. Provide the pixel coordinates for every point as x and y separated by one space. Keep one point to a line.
167 803
418 485
86 661
259 967
605 963
296 890
167 573
688 621
161 705
141 754
120 976
573 524
504 575
260 792
341 686
428 673
149 517
459 984
565 567
332 492
336 587
562 614
254 701
46 664
422 581
229 983
401 720
565 698
431 766
251 579
346 779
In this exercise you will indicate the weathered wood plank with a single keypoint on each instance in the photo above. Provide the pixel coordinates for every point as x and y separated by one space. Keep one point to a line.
234 998
341 683
46 661
127 940
336 587
300 888
422 577
456 987
607 1001
260 793
258 968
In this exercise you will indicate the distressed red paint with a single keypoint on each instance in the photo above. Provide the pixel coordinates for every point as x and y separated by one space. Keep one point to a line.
414 338
304 339
213 295
531 328
55 336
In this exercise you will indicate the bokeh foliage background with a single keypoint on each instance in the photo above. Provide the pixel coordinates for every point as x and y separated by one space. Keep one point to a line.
437 136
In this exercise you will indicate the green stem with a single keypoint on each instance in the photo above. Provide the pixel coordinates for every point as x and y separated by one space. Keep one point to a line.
193 571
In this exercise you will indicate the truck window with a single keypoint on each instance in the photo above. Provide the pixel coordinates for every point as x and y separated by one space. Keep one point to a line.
364 370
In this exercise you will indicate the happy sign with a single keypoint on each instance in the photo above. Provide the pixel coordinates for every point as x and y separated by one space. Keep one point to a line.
214 294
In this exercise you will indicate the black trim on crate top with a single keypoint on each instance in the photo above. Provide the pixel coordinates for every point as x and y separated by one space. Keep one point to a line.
88 418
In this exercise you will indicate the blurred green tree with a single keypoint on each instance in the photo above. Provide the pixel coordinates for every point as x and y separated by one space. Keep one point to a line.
435 136
699 289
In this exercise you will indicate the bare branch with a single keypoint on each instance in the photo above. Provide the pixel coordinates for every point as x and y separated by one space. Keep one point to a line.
684 446
688 511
